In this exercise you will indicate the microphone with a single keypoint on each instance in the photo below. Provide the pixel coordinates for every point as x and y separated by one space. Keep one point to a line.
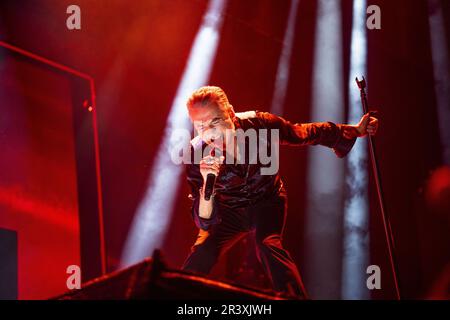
210 180
209 185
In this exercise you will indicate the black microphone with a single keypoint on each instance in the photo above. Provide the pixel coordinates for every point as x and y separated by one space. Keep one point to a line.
209 185
211 177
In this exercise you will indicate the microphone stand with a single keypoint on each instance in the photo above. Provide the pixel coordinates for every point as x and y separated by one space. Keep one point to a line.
376 173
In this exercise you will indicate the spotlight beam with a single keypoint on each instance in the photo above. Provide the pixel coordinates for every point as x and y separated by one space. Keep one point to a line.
282 78
154 213
356 234
325 171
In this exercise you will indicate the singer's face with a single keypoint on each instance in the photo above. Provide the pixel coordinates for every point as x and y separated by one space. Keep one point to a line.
213 124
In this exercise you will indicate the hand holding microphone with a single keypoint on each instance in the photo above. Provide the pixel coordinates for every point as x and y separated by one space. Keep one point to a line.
209 168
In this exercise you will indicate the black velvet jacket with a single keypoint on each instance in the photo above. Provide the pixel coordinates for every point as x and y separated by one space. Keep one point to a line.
242 185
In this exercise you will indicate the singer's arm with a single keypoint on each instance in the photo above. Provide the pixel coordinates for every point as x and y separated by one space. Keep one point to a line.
299 134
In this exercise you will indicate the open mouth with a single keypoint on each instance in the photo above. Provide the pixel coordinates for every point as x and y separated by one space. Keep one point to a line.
217 143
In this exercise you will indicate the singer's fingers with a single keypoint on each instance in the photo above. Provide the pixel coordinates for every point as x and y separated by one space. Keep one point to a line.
218 160
373 113
214 171
362 125
212 160
209 166
365 119
372 126
215 166
371 130
207 160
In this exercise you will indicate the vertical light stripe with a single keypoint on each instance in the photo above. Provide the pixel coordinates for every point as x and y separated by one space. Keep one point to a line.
441 71
282 79
356 231
155 210
325 170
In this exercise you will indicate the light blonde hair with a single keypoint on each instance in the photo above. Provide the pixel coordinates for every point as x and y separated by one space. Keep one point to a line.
209 95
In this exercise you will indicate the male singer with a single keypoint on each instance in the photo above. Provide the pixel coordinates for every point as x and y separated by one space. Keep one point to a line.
245 200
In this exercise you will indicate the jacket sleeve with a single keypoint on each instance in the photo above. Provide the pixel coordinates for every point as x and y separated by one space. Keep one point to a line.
300 134
195 181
